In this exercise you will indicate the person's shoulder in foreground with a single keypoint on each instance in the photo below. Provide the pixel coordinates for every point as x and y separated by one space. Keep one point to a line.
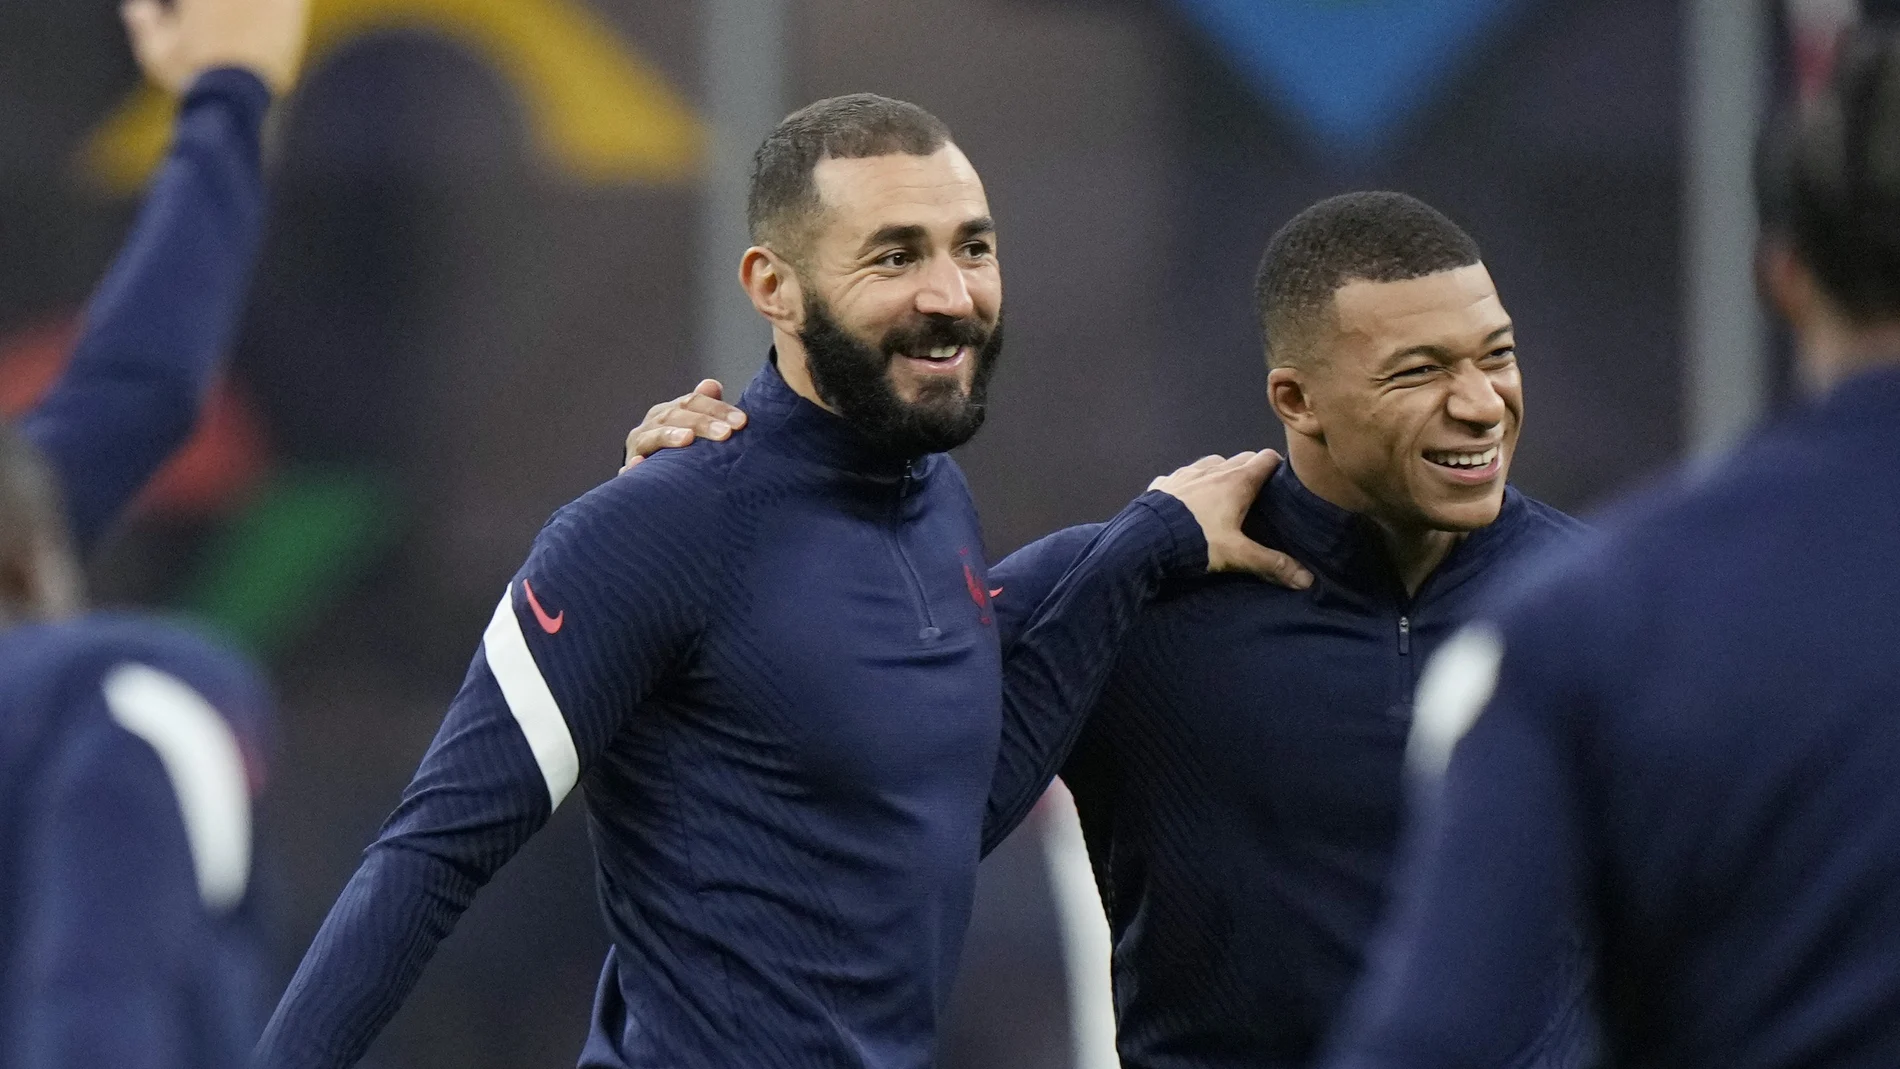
1679 715
131 754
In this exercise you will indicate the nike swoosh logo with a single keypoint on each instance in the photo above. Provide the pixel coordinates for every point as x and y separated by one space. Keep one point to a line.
997 593
550 624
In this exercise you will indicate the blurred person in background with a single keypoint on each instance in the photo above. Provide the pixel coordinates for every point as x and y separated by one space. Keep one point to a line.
771 664
1240 781
130 750
1681 740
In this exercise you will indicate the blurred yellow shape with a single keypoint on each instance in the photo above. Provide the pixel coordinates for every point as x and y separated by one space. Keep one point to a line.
594 106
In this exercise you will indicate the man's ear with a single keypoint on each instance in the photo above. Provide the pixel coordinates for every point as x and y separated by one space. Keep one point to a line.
1288 394
773 287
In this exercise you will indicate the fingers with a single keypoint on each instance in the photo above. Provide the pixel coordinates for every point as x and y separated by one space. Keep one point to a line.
710 406
1243 554
710 388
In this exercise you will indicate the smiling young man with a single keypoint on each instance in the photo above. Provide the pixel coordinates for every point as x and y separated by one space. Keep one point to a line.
1676 743
1240 778
771 664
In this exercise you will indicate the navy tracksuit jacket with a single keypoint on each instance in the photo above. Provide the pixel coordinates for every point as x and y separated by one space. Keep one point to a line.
130 751
1691 754
1240 782
771 667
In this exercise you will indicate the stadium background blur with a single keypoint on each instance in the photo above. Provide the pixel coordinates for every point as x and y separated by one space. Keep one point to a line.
486 258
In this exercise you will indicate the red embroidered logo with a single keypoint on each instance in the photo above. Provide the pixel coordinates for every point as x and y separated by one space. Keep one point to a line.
550 624
978 592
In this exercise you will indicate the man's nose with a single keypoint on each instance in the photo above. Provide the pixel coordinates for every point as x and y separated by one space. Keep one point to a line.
1475 399
944 291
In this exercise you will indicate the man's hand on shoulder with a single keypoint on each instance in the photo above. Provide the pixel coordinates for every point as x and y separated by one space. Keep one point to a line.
670 424
179 40
1219 491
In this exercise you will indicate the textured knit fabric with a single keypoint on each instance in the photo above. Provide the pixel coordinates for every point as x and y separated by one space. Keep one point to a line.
157 328
113 949
1240 782
1692 754
772 667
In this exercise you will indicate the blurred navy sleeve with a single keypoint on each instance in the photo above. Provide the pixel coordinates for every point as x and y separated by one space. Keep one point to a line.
1065 605
157 328
610 597
1479 960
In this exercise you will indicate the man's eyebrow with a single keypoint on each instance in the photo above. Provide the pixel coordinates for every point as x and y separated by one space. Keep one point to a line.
1438 352
895 234
980 225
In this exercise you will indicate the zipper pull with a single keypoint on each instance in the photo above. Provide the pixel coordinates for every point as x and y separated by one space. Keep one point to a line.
904 481
1405 635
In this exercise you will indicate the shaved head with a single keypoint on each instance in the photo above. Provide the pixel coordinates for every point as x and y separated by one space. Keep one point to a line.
783 200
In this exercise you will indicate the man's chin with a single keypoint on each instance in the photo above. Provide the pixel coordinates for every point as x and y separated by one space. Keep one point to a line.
1462 517
929 387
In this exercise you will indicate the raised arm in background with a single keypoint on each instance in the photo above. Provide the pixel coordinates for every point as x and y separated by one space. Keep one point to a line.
158 326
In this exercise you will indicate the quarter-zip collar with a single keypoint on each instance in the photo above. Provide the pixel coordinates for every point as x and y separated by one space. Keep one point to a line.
1347 552
788 423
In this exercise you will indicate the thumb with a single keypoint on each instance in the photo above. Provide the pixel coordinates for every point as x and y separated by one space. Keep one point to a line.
1245 555
710 388
144 21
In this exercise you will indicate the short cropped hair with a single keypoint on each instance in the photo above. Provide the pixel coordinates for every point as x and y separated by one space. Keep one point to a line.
783 197
1829 181
30 508
1366 236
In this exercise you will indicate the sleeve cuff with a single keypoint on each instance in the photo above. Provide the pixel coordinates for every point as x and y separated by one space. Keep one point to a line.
1186 549
239 89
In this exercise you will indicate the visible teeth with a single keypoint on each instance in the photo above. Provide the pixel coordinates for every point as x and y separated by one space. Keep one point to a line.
944 352
1464 460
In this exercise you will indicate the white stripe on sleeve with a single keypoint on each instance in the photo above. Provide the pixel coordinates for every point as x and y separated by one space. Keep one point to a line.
206 767
530 700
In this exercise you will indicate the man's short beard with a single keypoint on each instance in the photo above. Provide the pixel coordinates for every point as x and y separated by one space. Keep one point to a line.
855 380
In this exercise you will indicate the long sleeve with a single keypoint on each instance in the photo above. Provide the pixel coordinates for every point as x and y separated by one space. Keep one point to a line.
158 326
607 602
1479 961
1058 656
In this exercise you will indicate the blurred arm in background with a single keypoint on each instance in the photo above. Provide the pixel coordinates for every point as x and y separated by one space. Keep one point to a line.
160 322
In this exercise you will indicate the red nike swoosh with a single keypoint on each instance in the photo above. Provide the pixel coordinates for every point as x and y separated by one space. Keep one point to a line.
550 624
997 593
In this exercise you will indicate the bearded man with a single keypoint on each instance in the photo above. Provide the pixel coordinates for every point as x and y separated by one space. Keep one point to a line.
771 663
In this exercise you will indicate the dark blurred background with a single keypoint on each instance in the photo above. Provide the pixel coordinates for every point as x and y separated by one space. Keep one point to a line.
496 239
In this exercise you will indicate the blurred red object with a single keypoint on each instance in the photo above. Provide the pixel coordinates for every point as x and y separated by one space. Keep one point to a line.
223 460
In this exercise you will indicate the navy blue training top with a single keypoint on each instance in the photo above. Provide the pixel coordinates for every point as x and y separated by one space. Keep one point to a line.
1691 751
129 935
1240 785
129 754
771 665
158 326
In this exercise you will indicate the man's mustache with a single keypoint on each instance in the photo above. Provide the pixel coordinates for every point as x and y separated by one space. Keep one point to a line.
934 333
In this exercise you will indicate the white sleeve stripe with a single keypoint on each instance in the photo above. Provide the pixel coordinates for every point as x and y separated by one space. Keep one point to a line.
206 769
1456 686
530 700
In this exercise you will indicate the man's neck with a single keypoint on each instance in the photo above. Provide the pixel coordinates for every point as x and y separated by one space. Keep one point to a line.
795 369
1833 349
1414 552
